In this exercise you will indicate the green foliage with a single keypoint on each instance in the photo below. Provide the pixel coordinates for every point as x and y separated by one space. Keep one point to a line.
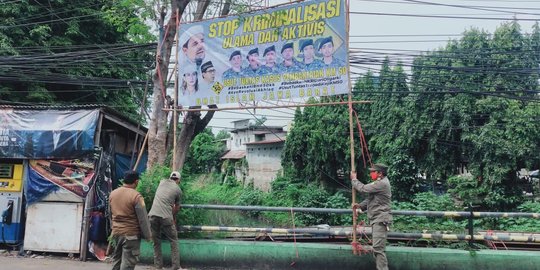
521 224
204 153
317 146
223 134
149 182
251 196
428 201
83 52
467 190
403 176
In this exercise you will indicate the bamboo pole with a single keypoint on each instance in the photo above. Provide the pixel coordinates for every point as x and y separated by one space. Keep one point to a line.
351 131
175 105
141 152
272 107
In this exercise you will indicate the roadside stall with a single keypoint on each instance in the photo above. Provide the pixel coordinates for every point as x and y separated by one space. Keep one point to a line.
59 165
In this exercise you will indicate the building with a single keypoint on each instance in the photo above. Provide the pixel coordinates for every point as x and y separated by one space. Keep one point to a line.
264 161
57 166
261 146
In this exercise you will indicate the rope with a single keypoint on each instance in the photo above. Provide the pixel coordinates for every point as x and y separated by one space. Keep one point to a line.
363 143
357 247
491 243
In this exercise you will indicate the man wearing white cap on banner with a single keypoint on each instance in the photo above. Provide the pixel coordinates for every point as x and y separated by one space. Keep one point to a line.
192 44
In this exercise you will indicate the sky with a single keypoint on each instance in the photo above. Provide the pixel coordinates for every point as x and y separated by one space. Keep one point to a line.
382 28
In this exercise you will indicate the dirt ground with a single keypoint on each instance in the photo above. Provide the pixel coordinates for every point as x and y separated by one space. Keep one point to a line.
51 262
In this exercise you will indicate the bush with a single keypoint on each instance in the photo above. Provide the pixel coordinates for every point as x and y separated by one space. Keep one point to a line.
251 196
150 181
428 201
522 224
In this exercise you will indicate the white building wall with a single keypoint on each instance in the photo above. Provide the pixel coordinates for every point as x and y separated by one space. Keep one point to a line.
264 161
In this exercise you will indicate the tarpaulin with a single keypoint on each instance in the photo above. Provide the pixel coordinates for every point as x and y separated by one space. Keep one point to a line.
123 163
37 187
46 134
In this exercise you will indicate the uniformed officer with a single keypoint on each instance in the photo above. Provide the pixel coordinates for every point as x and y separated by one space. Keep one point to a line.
308 51
236 66
129 222
289 64
326 48
378 209
270 65
162 217
253 69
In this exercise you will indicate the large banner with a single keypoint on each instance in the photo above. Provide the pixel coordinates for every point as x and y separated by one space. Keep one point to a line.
46 134
293 51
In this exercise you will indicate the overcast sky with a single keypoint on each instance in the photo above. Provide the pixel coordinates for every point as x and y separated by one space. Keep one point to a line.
382 28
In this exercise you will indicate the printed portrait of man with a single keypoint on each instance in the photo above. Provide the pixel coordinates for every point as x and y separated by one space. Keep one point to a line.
270 65
308 52
254 65
58 142
326 48
236 66
289 64
208 75
193 46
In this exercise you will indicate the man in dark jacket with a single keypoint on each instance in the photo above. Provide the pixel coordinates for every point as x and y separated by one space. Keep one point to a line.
129 222
378 209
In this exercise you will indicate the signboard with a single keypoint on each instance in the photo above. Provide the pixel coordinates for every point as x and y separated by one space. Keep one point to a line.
46 134
292 51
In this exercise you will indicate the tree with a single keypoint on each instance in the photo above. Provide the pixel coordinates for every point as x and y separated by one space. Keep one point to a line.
472 104
193 122
204 153
316 149
73 52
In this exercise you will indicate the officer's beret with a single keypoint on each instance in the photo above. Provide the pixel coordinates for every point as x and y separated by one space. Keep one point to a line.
235 53
305 42
252 51
286 46
269 49
326 40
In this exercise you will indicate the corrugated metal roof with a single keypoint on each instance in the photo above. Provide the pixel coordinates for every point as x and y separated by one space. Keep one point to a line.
274 140
237 154
52 107
104 108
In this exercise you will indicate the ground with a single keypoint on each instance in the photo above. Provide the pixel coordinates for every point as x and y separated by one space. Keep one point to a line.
52 261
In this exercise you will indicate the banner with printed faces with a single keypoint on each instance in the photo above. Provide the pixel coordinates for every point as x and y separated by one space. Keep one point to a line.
286 52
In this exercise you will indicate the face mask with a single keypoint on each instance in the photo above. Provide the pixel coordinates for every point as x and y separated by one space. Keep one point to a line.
374 175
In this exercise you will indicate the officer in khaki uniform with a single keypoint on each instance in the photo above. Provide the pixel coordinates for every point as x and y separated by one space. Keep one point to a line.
164 208
377 205
129 222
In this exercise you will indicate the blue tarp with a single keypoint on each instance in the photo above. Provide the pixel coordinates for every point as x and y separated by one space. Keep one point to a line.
36 187
123 164
46 134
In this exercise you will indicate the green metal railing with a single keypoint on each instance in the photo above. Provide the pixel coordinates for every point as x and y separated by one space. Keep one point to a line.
328 231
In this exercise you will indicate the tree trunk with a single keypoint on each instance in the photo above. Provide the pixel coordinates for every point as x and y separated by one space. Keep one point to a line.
193 124
157 132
